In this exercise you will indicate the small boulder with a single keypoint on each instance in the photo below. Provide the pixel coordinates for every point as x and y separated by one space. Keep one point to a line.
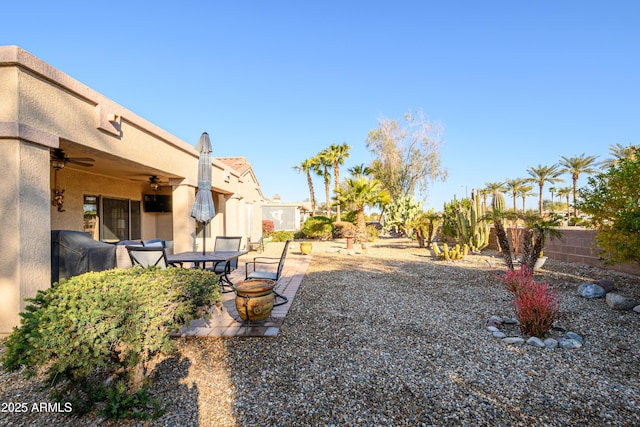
569 343
551 343
574 336
591 290
621 302
492 329
499 334
605 284
536 342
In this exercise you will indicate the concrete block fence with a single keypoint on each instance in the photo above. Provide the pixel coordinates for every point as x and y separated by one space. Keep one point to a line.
577 244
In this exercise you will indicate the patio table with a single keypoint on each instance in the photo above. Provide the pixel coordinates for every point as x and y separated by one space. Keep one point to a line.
200 260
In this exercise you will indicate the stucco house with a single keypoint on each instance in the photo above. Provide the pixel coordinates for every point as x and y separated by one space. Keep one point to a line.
123 177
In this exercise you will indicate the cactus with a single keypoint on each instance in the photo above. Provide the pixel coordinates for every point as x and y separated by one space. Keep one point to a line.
436 250
473 229
498 202
451 254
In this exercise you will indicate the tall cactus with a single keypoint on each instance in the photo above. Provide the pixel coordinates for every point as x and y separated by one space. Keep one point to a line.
473 229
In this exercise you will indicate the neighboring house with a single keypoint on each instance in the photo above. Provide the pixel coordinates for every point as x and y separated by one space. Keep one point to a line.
141 183
285 216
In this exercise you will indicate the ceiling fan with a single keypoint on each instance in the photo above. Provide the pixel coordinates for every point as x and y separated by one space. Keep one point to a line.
59 160
154 182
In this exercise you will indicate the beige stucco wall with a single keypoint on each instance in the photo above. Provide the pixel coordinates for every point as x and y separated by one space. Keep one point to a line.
44 108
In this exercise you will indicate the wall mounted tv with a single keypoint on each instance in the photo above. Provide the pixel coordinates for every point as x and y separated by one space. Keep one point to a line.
157 203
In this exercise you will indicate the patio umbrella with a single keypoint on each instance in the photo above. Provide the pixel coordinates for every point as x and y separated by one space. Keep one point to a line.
203 210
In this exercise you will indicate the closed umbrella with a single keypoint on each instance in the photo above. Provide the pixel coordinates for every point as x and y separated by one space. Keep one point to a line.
203 210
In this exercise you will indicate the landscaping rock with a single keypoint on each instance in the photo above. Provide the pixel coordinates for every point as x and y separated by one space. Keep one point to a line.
492 329
536 342
636 308
605 284
551 343
499 334
574 336
513 340
569 343
591 291
621 302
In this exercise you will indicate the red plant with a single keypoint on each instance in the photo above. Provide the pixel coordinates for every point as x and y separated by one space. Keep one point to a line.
268 227
513 280
536 306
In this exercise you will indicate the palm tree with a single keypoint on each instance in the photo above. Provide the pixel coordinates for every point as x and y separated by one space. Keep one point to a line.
359 171
524 192
359 193
552 190
618 152
306 167
575 166
514 186
565 192
336 155
322 163
543 174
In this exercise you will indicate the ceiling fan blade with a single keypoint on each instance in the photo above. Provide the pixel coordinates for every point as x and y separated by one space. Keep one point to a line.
81 159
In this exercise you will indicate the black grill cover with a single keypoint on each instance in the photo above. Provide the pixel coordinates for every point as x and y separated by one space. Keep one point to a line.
75 252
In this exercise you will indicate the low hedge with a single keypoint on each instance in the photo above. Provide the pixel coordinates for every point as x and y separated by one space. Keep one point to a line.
101 326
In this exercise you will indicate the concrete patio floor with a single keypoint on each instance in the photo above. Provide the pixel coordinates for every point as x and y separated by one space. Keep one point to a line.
224 320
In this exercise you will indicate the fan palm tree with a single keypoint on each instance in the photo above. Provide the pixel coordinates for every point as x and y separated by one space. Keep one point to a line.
336 154
514 186
543 174
618 152
358 193
565 192
524 192
306 167
323 162
575 166
360 171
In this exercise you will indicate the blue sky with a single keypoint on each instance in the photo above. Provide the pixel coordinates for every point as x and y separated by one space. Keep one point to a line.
514 84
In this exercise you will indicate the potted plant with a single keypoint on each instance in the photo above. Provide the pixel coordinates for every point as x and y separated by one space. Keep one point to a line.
305 248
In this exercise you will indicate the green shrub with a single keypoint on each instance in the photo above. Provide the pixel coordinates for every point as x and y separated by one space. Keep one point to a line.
107 325
343 229
318 227
281 236
372 233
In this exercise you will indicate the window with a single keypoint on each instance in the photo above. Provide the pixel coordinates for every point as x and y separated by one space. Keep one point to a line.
120 219
91 218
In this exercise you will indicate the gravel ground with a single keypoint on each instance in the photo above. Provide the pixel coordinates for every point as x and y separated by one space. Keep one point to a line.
394 338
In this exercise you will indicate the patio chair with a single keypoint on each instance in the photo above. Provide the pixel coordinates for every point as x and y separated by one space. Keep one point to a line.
148 256
260 270
223 268
256 246
153 243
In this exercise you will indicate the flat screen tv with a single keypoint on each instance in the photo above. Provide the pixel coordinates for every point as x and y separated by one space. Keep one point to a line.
157 203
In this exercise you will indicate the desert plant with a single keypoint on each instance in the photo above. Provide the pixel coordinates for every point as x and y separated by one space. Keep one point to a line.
281 236
107 325
372 233
318 227
536 304
343 229
473 229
